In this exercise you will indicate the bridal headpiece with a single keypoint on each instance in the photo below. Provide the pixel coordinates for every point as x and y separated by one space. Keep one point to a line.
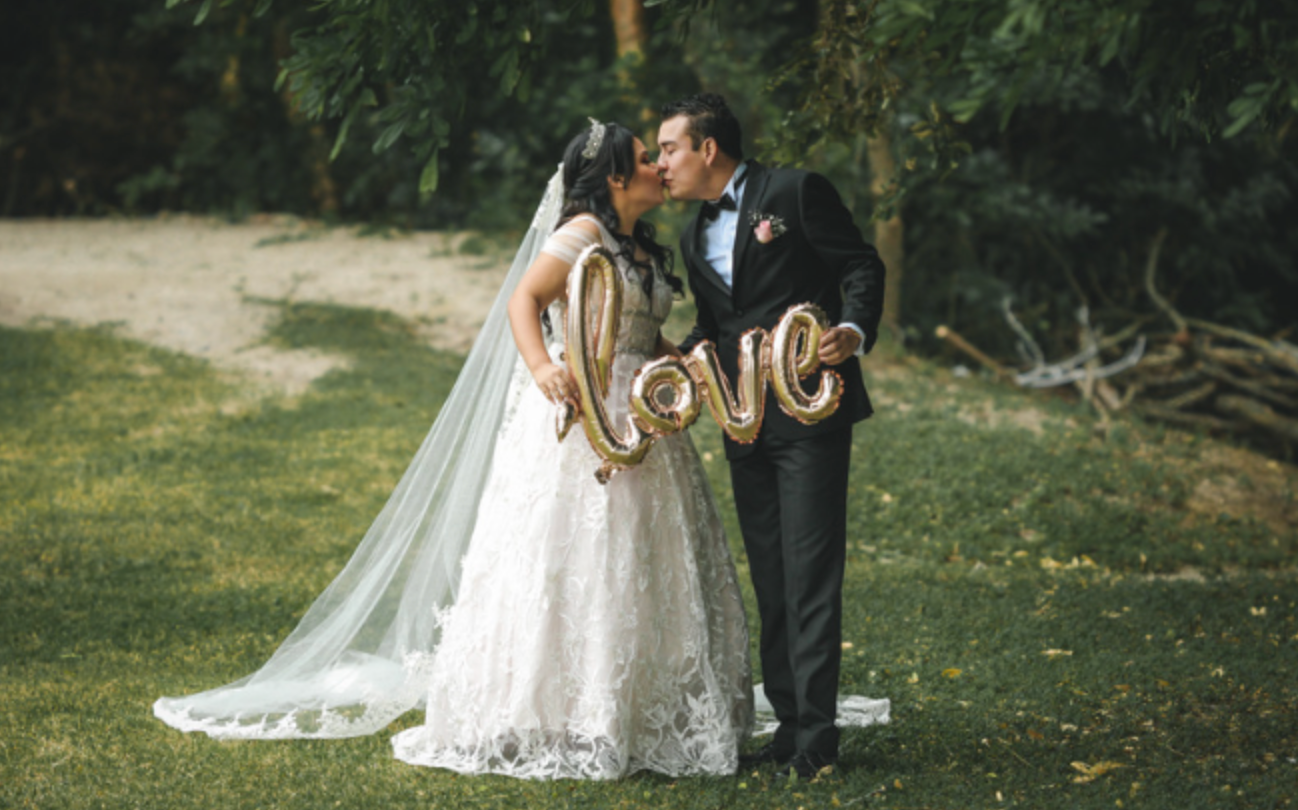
595 141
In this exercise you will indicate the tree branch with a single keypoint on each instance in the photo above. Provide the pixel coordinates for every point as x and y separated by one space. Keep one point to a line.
1151 267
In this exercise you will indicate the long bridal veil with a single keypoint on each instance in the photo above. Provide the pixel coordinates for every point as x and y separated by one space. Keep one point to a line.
353 663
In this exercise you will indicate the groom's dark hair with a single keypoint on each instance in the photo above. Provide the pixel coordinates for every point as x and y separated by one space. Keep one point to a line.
709 117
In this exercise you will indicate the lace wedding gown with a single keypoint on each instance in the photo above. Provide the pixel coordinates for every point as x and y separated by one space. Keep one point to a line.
599 628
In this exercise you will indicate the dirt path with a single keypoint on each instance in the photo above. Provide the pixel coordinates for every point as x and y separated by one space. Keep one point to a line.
191 283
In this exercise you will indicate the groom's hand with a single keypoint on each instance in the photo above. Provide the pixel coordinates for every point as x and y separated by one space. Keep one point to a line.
837 344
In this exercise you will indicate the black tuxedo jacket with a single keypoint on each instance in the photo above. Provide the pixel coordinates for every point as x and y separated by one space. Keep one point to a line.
820 258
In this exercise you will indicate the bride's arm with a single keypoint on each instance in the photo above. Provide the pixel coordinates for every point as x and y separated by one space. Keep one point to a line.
540 285
543 282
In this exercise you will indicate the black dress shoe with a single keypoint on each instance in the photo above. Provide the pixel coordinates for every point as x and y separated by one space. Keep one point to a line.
806 766
769 753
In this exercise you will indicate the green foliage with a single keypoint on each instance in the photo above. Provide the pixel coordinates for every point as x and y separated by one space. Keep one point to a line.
1044 143
162 529
1215 68
132 108
1058 211
324 109
416 65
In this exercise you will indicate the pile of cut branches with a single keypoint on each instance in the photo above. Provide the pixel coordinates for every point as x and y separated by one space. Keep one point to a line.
1212 376
1203 375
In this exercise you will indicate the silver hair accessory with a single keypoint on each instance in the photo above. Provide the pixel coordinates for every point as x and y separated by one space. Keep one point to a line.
596 139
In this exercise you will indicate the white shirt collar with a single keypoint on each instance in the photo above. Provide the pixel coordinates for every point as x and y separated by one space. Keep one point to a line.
734 180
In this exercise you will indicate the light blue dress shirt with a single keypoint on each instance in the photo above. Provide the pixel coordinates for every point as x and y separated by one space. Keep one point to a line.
719 234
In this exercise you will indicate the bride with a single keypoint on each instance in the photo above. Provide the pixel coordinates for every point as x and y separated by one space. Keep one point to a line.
550 625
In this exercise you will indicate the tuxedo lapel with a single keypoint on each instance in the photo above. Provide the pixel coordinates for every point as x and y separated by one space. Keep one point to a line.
753 194
693 242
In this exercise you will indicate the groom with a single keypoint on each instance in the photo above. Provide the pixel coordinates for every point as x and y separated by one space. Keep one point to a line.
764 240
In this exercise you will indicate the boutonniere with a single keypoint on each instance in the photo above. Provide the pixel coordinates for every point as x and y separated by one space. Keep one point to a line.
766 227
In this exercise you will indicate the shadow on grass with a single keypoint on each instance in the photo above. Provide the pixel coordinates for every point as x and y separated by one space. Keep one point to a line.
140 507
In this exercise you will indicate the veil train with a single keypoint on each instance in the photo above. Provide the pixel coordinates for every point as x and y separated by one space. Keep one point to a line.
352 664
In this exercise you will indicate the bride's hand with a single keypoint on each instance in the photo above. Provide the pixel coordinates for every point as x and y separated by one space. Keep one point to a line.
557 384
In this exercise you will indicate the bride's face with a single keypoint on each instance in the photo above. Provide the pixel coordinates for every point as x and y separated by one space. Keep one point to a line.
644 189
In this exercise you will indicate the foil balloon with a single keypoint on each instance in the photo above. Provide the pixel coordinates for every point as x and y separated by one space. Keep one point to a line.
667 394
795 345
565 418
594 308
739 413
665 375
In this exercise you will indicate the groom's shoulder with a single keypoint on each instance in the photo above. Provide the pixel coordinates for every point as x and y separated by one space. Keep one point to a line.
786 174
801 188
791 177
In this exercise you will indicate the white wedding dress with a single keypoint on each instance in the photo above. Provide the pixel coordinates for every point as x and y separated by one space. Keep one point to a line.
599 629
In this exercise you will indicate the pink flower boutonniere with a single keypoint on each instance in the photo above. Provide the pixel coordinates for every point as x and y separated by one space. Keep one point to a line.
767 227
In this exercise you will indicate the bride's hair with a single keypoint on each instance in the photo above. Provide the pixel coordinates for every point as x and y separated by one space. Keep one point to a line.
585 191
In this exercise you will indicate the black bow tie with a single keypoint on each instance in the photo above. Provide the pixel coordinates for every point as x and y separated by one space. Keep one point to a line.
711 210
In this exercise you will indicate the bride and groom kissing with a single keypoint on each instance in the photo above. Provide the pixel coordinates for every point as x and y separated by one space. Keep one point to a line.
555 627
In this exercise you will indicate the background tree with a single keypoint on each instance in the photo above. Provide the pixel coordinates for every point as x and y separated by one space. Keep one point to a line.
1088 127
1037 147
135 108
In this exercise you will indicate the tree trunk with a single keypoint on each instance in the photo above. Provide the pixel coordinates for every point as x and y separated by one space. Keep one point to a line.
631 34
888 233
323 189
230 85
628 25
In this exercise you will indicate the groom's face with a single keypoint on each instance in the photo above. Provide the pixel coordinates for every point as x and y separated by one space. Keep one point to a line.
683 167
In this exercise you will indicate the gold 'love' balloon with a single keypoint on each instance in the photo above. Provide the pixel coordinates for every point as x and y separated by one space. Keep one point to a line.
795 344
667 393
590 334
739 416
653 380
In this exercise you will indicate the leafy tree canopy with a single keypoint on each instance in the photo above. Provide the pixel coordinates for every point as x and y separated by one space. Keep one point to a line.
1212 67
1048 143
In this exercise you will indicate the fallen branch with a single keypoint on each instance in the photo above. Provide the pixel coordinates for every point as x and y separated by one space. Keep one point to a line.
1080 368
1204 375
1251 386
1058 375
1182 401
1197 420
1248 359
954 338
1027 347
1125 333
1259 414
1281 354
1109 396
1165 355
1189 375
1151 267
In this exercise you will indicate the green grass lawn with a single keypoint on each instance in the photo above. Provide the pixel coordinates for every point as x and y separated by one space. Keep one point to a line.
1060 619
